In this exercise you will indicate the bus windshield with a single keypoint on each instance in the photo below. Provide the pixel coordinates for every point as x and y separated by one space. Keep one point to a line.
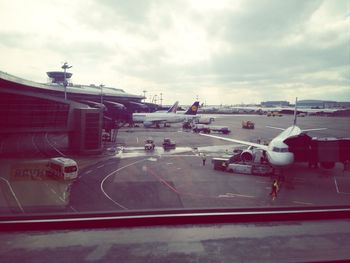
70 169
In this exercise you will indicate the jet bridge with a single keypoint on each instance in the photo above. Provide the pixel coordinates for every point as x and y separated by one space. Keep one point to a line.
325 151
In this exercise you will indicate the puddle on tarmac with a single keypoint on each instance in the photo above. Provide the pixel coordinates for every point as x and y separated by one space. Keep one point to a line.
130 152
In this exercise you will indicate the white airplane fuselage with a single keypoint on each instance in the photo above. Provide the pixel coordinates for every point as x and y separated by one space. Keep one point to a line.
277 151
162 116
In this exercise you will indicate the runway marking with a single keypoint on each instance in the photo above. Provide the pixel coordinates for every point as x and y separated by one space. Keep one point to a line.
169 163
337 188
61 199
137 139
89 171
112 173
53 191
71 207
236 195
302 203
13 193
161 180
47 139
36 147
100 166
336 185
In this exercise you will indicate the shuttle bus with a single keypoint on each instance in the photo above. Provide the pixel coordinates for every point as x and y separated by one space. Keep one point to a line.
62 168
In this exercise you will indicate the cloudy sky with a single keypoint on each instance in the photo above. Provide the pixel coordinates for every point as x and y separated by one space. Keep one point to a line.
224 52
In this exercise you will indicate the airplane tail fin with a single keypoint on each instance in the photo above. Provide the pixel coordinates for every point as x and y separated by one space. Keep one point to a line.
193 109
173 108
295 112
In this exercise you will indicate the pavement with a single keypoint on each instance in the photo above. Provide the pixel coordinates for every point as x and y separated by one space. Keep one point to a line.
126 177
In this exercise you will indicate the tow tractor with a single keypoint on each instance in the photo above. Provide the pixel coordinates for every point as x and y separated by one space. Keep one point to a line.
169 144
248 125
149 145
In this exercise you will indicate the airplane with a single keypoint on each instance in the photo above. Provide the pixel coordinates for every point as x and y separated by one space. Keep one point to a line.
157 118
172 109
277 151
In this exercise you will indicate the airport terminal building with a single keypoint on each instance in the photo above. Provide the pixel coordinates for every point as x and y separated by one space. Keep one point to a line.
81 111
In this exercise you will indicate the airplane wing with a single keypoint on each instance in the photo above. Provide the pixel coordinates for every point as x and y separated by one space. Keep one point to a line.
260 146
316 129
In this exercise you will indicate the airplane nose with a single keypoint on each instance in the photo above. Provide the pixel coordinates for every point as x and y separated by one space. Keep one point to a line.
282 159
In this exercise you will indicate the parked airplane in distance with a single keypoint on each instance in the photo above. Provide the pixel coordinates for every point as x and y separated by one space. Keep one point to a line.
172 109
277 151
158 118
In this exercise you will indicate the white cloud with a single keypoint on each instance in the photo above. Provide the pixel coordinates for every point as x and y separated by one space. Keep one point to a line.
223 51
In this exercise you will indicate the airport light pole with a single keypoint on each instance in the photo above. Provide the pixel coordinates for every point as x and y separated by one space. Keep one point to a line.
161 99
101 86
65 66
144 95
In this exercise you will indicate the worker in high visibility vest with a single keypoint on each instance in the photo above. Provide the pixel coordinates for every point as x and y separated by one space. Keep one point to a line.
274 189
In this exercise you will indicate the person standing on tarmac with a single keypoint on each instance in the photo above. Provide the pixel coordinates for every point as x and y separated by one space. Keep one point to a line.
274 189
204 158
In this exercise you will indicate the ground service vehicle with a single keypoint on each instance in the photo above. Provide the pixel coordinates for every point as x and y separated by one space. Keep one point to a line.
168 143
62 168
274 114
248 125
201 128
149 145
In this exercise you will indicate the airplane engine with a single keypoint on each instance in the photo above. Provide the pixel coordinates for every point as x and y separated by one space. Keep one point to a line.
327 165
147 124
247 156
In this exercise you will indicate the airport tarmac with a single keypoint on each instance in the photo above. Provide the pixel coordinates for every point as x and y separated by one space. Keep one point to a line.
135 179
127 177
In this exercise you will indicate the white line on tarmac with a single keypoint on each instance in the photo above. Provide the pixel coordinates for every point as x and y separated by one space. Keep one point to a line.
236 195
112 173
33 142
53 191
137 139
336 186
13 193
47 139
100 166
303 203
71 207
87 172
